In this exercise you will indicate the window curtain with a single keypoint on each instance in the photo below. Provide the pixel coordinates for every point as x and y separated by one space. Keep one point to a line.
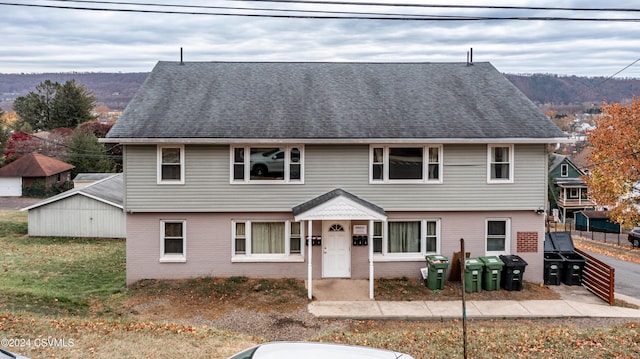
267 237
404 237
500 165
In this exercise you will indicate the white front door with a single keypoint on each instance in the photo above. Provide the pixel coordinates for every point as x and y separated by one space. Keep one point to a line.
336 249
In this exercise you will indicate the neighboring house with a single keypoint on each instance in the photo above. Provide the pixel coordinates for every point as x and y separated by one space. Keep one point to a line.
380 165
94 211
570 192
31 168
84 179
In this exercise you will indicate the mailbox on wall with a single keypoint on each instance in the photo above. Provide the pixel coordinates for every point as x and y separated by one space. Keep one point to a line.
359 237
360 240
315 240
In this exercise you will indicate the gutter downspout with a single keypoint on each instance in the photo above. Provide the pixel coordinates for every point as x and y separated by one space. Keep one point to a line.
309 260
371 260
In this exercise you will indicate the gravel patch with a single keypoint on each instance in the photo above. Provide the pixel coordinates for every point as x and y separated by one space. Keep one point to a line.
291 326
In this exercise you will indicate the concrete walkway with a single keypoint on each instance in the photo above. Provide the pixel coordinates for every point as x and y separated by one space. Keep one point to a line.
575 302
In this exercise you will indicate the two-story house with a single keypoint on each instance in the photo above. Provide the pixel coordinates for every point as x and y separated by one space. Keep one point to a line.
569 191
329 170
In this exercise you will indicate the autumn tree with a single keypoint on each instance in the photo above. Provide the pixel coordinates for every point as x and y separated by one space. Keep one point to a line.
87 154
18 144
54 105
615 161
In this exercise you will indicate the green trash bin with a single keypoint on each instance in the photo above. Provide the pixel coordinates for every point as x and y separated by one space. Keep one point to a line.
492 272
473 275
436 271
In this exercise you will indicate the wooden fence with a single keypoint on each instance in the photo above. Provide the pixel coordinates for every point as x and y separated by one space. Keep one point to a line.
598 277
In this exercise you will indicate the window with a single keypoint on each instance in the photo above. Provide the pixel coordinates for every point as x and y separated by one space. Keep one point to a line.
500 164
171 164
564 170
377 237
259 240
267 164
574 192
173 241
414 238
409 164
403 237
498 233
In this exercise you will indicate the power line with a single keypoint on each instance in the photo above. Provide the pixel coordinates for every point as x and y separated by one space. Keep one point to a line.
348 3
614 75
348 15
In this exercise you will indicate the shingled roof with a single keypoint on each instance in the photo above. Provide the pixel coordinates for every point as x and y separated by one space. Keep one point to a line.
34 165
337 101
107 190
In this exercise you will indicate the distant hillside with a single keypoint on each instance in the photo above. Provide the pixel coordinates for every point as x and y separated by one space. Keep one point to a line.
115 90
565 90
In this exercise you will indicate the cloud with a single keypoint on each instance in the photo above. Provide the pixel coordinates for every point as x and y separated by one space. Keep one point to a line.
46 40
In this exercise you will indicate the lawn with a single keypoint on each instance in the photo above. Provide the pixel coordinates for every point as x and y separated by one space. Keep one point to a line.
66 298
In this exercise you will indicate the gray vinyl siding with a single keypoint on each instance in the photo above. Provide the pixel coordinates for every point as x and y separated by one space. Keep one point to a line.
326 167
77 216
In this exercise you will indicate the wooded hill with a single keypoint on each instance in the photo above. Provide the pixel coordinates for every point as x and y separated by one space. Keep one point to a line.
115 90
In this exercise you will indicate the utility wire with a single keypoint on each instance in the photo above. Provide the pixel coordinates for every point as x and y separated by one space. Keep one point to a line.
249 8
347 16
382 4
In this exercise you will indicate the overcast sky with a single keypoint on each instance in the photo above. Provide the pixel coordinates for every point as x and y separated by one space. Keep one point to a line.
39 39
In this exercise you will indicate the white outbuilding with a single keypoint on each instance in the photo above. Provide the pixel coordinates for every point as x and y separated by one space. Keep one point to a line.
94 211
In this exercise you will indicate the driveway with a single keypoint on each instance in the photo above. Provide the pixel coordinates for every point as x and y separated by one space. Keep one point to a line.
16 203
626 276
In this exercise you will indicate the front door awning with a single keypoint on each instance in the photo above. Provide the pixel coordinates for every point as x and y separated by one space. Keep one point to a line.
338 205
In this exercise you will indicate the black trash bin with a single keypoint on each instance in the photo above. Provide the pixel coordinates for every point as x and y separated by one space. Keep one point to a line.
513 272
553 263
573 263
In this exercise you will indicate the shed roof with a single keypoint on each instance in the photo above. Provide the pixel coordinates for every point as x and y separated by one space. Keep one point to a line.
108 190
34 165
331 101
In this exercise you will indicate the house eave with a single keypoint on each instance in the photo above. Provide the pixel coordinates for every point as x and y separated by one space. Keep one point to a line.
231 141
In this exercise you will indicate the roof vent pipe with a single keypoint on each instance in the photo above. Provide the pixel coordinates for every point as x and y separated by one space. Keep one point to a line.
470 57
181 62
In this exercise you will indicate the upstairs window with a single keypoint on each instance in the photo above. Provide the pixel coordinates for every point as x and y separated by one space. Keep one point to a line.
267 164
564 170
171 164
419 164
500 164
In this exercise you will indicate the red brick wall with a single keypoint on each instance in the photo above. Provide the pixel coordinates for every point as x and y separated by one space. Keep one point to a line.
527 241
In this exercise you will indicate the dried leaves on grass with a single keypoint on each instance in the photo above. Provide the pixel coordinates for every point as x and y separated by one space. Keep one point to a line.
621 252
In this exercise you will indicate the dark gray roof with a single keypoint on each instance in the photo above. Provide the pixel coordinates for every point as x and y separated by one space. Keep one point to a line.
310 204
108 190
92 176
274 100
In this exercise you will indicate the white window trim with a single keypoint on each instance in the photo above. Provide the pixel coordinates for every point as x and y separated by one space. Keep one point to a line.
574 193
159 165
564 170
247 165
511 164
386 256
173 258
507 240
425 164
248 257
